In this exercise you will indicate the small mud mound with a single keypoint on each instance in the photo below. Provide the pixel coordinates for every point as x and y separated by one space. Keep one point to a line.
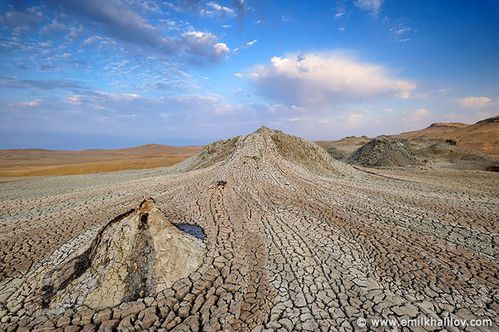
137 254
383 152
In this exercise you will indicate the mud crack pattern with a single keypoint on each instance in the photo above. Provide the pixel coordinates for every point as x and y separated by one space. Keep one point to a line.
294 241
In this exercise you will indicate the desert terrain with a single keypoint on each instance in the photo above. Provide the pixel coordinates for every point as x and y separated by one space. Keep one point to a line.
482 136
40 162
287 239
441 145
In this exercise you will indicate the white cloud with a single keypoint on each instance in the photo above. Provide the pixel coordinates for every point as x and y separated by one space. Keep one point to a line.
204 44
91 40
401 33
251 43
74 99
215 9
221 49
31 103
474 102
400 30
372 6
53 27
340 12
75 32
321 79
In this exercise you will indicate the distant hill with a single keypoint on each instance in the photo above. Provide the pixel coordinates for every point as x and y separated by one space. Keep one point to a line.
344 147
482 136
41 162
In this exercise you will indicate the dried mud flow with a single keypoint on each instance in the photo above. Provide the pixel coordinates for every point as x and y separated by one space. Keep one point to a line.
295 241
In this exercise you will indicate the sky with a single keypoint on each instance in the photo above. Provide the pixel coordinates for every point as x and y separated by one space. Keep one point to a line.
77 74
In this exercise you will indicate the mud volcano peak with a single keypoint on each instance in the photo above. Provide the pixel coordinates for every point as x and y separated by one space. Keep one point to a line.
268 149
265 129
136 254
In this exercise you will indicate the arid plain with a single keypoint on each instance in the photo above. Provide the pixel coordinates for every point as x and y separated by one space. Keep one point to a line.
40 162
289 239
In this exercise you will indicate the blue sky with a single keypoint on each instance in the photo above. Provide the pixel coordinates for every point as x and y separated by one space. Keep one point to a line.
99 74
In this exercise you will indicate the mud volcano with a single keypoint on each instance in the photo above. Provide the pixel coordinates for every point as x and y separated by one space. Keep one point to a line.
383 152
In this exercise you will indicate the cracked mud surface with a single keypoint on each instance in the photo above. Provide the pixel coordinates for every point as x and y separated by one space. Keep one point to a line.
294 241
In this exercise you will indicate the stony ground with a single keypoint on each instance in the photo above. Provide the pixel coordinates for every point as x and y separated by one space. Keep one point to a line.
294 241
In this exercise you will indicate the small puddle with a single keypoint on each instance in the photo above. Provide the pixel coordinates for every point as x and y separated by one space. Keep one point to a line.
193 230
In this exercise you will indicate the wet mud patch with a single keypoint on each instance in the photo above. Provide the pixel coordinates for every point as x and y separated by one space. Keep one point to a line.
194 230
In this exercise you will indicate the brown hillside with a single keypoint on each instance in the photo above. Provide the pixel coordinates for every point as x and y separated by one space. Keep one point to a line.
437 129
482 136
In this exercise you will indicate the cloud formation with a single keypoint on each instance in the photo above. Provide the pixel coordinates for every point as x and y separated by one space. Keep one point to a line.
251 43
122 23
322 79
53 27
15 83
215 9
340 11
204 44
29 17
210 8
371 6
474 102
